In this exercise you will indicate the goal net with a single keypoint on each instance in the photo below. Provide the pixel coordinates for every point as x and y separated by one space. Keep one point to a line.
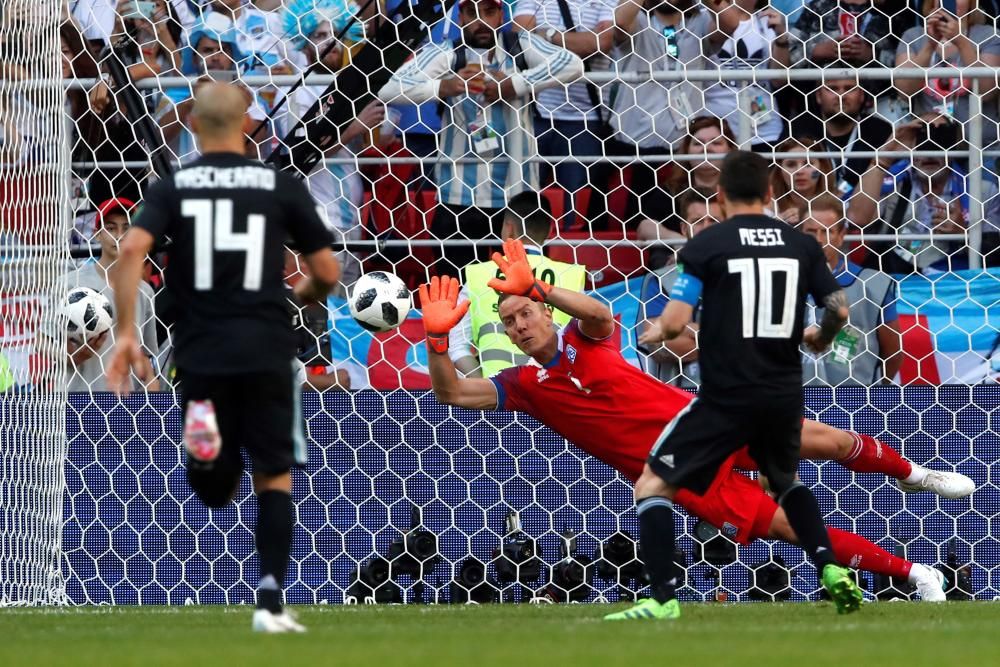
34 224
888 158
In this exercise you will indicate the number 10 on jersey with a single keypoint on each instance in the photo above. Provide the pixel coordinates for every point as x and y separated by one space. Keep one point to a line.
758 302
213 230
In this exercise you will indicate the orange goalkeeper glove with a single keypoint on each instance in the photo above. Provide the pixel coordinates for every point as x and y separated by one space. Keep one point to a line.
439 303
518 277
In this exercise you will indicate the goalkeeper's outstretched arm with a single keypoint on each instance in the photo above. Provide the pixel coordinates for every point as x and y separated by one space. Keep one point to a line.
439 302
450 389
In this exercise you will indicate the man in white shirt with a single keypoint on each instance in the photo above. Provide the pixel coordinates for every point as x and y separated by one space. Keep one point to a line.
759 40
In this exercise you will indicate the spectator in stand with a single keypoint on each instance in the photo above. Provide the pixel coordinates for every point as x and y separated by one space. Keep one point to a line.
705 136
792 9
214 50
259 35
83 113
488 117
338 187
797 181
867 351
213 55
946 40
153 40
478 345
757 39
571 120
927 194
86 361
839 121
857 32
676 361
418 125
651 117
100 131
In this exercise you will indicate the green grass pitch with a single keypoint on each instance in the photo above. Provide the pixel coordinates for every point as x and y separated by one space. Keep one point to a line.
804 635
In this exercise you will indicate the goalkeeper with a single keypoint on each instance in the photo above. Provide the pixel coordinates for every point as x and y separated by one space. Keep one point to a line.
580 386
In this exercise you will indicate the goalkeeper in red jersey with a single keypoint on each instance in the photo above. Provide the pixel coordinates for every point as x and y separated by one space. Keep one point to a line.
579 385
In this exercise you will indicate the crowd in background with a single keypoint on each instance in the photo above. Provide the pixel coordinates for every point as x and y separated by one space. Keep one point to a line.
631 156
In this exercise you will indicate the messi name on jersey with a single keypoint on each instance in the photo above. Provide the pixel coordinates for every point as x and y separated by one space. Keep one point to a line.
761 237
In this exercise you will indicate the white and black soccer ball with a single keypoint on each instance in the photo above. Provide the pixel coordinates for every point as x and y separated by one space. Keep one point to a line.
379 301
88 313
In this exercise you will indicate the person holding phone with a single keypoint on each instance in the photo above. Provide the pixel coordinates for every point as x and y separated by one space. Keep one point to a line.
485 82
756 39
926 194
954 33
855 31
156 32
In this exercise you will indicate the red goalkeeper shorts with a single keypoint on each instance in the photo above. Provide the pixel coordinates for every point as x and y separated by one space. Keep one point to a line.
734 503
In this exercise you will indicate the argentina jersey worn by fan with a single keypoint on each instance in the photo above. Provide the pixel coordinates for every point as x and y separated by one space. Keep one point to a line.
590 395
752 273
228 219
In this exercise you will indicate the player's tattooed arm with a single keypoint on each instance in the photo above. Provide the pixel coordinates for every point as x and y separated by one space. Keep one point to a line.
834 318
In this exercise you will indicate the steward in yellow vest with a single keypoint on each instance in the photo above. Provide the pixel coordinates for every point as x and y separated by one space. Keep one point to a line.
528 217
496 352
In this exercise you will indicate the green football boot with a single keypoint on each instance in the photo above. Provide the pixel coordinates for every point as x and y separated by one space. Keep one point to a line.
839 583
648 609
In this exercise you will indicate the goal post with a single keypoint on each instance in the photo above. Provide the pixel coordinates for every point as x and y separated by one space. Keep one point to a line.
34 225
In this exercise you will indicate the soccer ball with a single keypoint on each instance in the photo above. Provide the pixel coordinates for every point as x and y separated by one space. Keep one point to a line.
379 301
88 313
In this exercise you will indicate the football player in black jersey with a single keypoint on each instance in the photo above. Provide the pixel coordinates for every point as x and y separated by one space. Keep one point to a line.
228 219
751 274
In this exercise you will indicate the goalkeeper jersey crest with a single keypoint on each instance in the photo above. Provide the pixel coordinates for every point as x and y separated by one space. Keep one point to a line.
593 397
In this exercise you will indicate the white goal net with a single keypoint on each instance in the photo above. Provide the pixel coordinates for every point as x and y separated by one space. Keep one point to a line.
34 223
881 124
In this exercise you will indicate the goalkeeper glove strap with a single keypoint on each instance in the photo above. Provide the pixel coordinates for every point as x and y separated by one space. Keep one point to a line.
438 344
539 291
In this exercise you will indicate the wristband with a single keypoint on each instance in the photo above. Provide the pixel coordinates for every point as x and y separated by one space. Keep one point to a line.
539 291
437 343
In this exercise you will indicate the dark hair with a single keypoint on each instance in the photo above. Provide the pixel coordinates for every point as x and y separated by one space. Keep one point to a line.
744 177
693 196
532 214
680 178
784 196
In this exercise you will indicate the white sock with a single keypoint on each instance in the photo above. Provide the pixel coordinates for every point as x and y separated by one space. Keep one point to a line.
915 571
917 474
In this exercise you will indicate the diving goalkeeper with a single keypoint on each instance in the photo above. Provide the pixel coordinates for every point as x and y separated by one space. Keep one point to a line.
580 386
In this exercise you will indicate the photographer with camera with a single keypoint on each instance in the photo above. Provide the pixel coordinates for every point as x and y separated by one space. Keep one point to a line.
920 196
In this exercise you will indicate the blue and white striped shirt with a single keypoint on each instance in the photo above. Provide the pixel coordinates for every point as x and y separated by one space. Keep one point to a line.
464 177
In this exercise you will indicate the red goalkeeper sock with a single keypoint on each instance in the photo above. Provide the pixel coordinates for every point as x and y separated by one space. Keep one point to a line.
857 552
871 455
